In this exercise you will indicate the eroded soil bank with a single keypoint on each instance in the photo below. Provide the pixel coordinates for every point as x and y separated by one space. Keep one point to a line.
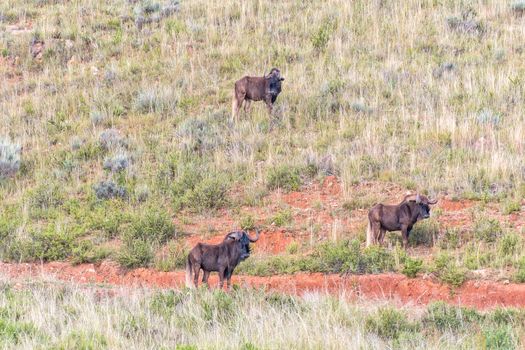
394 287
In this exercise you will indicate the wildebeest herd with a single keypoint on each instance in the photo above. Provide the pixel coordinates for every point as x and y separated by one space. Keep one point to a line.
225 256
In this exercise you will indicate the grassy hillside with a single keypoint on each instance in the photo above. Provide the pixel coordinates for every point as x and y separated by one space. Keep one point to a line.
121 121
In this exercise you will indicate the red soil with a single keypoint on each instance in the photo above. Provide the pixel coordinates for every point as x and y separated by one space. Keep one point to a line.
318 214
395 287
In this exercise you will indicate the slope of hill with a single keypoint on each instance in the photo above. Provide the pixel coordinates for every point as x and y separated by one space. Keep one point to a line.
116 119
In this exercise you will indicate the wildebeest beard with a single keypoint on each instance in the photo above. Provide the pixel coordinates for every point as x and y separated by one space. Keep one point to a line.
245 246
275 88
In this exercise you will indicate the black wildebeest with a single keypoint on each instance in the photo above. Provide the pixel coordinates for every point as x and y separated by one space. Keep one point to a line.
222 257
400 217
248 89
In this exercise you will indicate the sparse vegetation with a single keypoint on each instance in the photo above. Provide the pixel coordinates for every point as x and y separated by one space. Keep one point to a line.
120 125
142 318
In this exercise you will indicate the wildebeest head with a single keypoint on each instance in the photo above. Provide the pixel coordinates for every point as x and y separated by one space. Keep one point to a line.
423 204
243 240
275 74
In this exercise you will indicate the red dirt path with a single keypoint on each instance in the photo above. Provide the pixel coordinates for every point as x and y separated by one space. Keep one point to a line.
395 287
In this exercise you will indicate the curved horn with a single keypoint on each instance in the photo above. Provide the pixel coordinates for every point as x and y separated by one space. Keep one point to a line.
409 197
433 201
233 235
418 198
257 234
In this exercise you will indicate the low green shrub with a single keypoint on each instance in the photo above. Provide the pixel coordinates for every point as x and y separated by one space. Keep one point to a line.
174 256
152 225
193 191
135 253
247 222
412 266
508 244
444 317
45 197
283 177
520 273
448 270
389 323
424 233
83 340
12 332
292 248
209 194
86 252
487 230
511 206
499 338
450 239
282 218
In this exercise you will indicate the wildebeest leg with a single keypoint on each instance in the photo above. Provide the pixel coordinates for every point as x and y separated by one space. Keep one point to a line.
381 235
196 271
205 277
376 231
268 101
238 99
404 233
222 274
229 279
247 105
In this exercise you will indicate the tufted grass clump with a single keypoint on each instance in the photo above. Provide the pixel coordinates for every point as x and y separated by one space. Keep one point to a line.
198 136
156 100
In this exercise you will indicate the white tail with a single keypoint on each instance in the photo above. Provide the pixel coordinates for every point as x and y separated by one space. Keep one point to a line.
189 283
369 234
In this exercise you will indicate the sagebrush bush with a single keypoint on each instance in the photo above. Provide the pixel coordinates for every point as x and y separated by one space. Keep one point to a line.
10 158
111 139
108 189
118 162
